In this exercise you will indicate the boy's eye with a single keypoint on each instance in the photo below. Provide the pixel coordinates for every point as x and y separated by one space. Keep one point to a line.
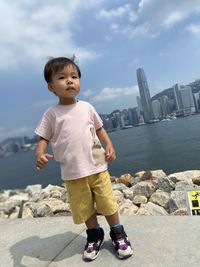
74 77
61 77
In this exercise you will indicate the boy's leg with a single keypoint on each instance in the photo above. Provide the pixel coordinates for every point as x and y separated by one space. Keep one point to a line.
107 204
92 221
113 219
80 190
95 237
119 237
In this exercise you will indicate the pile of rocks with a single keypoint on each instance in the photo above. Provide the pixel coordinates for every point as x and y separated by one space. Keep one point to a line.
145 193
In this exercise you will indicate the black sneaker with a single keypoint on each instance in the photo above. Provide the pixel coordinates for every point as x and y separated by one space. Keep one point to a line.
95 239
120 242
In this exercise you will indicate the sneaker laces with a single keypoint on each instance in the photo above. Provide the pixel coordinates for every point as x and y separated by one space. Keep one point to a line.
122 244
90 247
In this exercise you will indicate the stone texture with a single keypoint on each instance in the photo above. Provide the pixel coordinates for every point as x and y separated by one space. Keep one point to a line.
166 184
151 193
125 179
177 200
143 188
138 199
160 198
151 209
128 208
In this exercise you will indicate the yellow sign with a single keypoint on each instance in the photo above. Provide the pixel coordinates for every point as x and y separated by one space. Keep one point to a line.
194 202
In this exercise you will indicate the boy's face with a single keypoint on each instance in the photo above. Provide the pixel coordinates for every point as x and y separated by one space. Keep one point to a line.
65 84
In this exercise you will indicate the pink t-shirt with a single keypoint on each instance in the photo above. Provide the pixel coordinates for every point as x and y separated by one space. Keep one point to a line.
71 129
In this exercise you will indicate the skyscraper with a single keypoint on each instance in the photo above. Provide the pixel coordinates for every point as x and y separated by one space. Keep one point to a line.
177 97
144 95
184 99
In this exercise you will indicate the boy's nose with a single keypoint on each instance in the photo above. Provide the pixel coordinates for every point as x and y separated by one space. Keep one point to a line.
69 80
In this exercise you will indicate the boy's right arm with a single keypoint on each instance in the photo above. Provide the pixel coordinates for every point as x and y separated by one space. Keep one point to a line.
42 157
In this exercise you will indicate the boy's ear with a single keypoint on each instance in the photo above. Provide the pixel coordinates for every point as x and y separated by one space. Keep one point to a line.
50 87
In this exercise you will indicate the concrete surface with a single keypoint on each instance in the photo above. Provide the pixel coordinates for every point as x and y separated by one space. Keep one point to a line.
158 241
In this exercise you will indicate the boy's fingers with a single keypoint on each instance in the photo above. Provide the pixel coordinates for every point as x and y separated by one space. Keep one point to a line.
43 160
49 155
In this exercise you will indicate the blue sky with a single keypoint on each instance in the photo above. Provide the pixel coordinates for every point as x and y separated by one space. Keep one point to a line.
110 39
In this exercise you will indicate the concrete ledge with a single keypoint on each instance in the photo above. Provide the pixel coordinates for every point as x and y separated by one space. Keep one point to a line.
158 241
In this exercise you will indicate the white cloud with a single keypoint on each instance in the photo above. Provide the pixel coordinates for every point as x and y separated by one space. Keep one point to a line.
87 93
169 12
173 17
150 17
109 93
35 30
194 29
117 12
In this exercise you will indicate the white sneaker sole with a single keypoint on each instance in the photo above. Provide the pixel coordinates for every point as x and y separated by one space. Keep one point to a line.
91 259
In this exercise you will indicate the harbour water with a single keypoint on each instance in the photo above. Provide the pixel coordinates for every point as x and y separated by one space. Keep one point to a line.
171 145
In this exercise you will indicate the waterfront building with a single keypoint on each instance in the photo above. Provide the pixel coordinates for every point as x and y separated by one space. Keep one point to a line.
164 106
135 116
187 99
144 95
197 101
124 118
130 116
139 104
177 97
108 123
184 100
156 108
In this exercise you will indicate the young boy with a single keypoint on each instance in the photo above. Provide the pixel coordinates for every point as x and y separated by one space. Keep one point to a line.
74 128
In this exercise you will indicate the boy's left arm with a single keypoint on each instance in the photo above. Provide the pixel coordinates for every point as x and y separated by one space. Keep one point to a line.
110 151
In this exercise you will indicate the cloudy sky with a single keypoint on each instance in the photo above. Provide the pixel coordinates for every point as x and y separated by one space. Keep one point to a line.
110 39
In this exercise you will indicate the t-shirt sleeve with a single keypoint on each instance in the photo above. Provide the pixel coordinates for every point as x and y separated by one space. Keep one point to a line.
98 123
44 128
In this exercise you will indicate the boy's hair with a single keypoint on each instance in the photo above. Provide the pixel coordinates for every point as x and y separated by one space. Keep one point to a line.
59 63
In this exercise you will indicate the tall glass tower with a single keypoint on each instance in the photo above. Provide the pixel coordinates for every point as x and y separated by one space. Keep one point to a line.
144 95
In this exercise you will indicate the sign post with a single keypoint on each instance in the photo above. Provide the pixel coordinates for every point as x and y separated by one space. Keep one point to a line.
193 201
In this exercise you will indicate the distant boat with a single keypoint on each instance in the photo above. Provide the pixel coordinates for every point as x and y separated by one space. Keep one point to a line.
127 127
141 123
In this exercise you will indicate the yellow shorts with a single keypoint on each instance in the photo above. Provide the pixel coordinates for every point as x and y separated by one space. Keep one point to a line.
89 195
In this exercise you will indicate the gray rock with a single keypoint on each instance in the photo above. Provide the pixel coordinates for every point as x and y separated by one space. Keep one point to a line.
180 176
138 199
150 175
128 208
7 207
177 201
180 212
119 187
125 179
32 189
119 196
165 184
41 210
182 185
128 193
151 209
160 198
144 188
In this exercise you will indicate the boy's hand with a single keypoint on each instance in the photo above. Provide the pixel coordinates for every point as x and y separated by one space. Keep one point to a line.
110 153
42 160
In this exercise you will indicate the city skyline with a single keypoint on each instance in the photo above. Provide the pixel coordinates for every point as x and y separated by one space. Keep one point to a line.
182 101
124 35
136 108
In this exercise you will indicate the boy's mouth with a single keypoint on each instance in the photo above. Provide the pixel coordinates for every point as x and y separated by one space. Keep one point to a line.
70 88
